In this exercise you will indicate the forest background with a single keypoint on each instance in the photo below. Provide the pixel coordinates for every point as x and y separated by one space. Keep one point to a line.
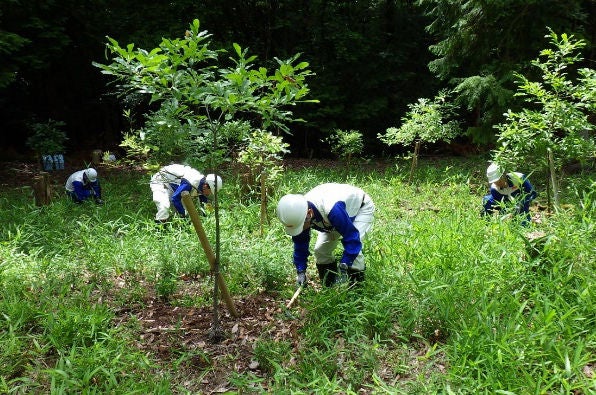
371 59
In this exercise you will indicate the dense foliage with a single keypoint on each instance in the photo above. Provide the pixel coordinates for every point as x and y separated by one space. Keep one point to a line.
48 137
198 95
427 120
479 45
557 113
370 58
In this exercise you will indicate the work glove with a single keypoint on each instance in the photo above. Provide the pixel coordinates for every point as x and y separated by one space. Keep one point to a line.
343 273
301 278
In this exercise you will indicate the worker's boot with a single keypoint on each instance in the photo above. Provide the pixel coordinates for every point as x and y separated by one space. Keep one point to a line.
355 276
327 273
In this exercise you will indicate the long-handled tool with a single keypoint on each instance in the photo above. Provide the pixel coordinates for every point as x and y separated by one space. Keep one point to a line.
294 297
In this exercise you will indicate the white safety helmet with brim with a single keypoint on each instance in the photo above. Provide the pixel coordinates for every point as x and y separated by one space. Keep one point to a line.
91 174
291 211
213 181
494 173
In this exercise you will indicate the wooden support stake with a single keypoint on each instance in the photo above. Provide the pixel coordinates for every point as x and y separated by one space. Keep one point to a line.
414 161
263 201
553 178
42 189
548 203
196 221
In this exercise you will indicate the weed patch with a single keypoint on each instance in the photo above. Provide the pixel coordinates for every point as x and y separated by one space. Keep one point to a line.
100 299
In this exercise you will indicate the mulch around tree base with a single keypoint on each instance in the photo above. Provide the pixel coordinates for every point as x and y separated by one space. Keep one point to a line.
168 333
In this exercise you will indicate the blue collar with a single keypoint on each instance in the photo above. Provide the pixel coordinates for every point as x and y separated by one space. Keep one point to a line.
317 215
317 222
201 183
509 181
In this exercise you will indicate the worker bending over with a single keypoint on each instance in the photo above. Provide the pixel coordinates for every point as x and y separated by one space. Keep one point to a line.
512 191
338 212
170 181
83 185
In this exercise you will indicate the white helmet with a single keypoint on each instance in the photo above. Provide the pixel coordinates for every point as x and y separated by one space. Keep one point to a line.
493 173
210 179
91 174
291 211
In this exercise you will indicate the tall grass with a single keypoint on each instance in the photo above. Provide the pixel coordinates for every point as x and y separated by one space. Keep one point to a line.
451 303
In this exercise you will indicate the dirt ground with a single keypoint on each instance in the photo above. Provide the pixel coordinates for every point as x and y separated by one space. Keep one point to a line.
167 332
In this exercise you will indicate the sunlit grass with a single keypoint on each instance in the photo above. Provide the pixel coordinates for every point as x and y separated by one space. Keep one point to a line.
451 301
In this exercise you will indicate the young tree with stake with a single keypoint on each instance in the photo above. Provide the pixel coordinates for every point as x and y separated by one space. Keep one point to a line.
203 94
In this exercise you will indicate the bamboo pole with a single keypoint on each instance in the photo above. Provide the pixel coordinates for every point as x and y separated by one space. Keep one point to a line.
196 221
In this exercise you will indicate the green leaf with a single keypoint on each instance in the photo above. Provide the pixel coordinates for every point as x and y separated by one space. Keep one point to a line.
237 49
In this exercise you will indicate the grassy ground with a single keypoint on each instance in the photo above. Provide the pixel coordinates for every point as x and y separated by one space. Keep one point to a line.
98 299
